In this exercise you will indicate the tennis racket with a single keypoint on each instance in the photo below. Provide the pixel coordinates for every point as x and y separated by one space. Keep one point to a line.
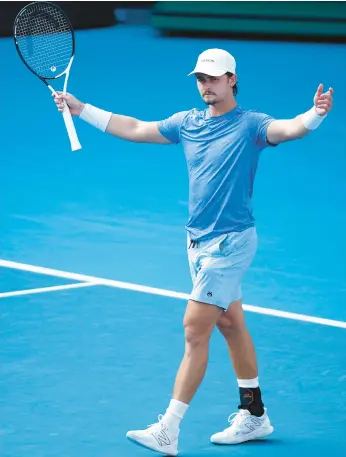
45 42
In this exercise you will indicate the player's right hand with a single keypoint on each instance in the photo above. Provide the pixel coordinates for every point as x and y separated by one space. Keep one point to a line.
75 106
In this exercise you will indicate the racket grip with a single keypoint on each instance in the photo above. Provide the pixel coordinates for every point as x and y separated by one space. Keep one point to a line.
75 144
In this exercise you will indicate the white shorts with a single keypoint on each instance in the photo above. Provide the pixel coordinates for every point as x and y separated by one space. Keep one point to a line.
218 265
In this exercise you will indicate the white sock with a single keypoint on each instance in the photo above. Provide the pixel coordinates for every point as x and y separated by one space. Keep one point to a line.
248 383
175 414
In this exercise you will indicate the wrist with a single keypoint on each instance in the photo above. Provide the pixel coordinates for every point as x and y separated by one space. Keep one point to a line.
311 119
80 109
95 116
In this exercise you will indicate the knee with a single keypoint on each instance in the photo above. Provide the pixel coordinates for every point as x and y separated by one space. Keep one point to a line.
228 325
196 335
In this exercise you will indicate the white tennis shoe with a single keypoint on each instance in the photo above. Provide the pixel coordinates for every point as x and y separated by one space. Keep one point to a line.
157 437
244 427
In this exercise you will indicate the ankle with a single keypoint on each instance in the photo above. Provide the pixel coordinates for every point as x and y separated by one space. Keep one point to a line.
175 414
254 409
178 407
250 397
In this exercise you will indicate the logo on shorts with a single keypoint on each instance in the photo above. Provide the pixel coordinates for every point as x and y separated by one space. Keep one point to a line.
210 294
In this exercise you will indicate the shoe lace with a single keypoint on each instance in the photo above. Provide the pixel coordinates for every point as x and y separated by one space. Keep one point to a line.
235 418
160 417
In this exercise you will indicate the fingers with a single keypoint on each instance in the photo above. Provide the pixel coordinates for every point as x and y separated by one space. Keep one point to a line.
60 103
319 90
60 99
324 101
324 97
323 106
60 94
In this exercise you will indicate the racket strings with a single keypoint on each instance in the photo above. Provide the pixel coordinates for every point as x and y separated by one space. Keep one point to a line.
45 40
43 62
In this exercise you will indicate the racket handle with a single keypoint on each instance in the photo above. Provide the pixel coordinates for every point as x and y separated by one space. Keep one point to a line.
75 144
72 134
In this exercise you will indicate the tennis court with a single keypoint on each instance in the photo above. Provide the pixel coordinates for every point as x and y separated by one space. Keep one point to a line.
83 364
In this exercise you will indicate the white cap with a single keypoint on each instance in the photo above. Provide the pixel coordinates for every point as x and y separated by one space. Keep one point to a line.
215 62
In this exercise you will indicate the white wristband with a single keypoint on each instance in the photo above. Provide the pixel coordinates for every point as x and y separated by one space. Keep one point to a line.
312 120
96 116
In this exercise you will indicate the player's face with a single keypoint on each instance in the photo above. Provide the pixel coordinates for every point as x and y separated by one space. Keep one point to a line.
213 89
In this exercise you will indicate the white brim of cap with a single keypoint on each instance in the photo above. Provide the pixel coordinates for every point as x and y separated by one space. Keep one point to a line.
209 70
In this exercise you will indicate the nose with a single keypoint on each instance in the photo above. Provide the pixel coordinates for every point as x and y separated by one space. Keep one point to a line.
207 87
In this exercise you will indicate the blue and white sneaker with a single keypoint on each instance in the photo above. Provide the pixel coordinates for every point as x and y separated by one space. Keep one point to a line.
244 427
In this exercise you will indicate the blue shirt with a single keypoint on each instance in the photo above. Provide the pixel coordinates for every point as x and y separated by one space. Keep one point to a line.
222 154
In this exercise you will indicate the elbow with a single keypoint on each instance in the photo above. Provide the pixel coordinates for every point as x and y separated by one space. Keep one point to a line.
136 134
293 134
287 135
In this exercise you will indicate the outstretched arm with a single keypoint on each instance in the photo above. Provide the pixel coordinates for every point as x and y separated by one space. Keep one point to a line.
280 131
125 127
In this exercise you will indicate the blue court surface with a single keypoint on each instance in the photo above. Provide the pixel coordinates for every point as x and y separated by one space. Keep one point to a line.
82 365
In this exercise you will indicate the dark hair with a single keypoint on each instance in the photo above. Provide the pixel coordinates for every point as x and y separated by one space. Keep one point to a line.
235 88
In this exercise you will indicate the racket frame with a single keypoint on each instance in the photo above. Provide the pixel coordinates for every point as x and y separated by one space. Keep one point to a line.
75 144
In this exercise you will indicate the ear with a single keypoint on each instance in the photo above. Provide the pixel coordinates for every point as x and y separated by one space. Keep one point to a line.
233 80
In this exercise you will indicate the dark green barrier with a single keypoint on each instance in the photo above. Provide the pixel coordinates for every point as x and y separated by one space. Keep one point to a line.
303 20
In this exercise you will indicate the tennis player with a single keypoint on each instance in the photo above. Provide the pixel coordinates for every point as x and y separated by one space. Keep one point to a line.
222 145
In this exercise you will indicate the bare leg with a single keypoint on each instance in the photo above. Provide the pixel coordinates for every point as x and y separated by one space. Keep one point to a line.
241 348
199 321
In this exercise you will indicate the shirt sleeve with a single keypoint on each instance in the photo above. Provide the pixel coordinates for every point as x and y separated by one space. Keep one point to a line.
260 123
170 127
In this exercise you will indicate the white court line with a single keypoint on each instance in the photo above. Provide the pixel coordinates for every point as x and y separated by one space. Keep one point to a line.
41 290
165 293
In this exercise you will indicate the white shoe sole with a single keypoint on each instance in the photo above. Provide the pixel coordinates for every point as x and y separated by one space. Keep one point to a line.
255 435
137 441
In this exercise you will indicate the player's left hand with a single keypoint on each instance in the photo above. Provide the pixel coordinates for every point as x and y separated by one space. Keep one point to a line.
323 102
